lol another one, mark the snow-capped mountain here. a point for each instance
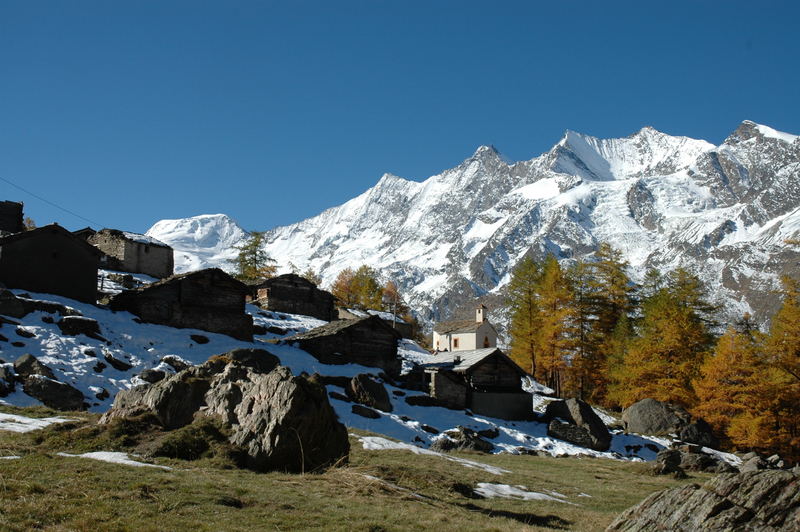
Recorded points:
(725, 212)
(200, 241)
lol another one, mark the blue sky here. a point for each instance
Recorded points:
(126, 113)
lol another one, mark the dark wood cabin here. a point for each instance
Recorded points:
(368, 341)
(395, 322)
(209, 299)
(11, 220)
(485, 381)
(50, 260)
(293, 294)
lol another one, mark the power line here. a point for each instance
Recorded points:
(51, 203)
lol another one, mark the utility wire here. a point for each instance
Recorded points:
(51, 203)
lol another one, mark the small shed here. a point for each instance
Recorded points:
(485, 381)
(11, 217)
(209, 299)
(366, 341)
(294, 294)
(132, 252)
(50, 260)
(395, 322)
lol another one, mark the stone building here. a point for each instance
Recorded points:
(462, 335)
(395, 322)
(133, 253)
(209, 299)
(51, 260)
(294, 294)
(484, 381)
(366, 341)
(11, 217)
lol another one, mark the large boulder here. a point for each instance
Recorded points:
(583, 426)
(656, 418)
(28, 364)
(754, 501)
(279, 421)
(54, 394)
(75, 325)
(12, 306)
(363, 389)
(7, 380)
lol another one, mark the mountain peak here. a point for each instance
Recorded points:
(749, 129)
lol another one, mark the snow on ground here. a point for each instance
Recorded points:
(14, 423)
(114, 458)
(504, 491)
(109, 286)
(374, 443)
(77, 360)
(10, 457)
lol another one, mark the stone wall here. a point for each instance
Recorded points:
(517, 406)
(449, 388)
(127, 255)
(293, 294)
(11, 216)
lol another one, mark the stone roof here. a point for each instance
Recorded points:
(461, 361)
(135, 237)
(457, 326)
(335, 327)
(197, 273)
(53, 228)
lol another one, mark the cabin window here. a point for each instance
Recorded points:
(455, 343)
(485, 341)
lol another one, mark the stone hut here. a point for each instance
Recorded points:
(51, 260)
(465, 335)
(395, 322)
(294, 294)
(133, 253)
(367, 341)
(11, 217)
(209, 299)
(485, 381)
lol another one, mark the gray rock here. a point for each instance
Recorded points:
(7, 385)
(655, 418)
(363, 411)
(75, 325)
(28, 364)
(279, 421)
(593, 433)
(12, 306)
(462, 439)
(754, 464)
(755, 501)
(54, 394)
(175, 363)
(362, 389)
(116, 363)
(152, 375)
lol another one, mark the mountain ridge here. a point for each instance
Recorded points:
(664, 201)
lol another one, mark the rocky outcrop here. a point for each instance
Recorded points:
(75, 325)
(7, 384)
(756, 501)
(279, 421)
(28, 364)
(655, 418)
(579, 424)
(363, 389)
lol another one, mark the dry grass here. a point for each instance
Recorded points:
(378, 490)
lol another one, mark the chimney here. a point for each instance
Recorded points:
(481, 314)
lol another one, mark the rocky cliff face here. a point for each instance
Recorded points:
(724, 212)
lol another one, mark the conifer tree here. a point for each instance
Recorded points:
(252, 262)
(358, 289)
(557, 333)
(523, 303)
(343, 289)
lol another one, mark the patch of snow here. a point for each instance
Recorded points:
(505, 491)
(374, 443)
(775, 134)
(144, 239)
(12, 457)
(14, 423)
(542, 189)
(114, 458)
